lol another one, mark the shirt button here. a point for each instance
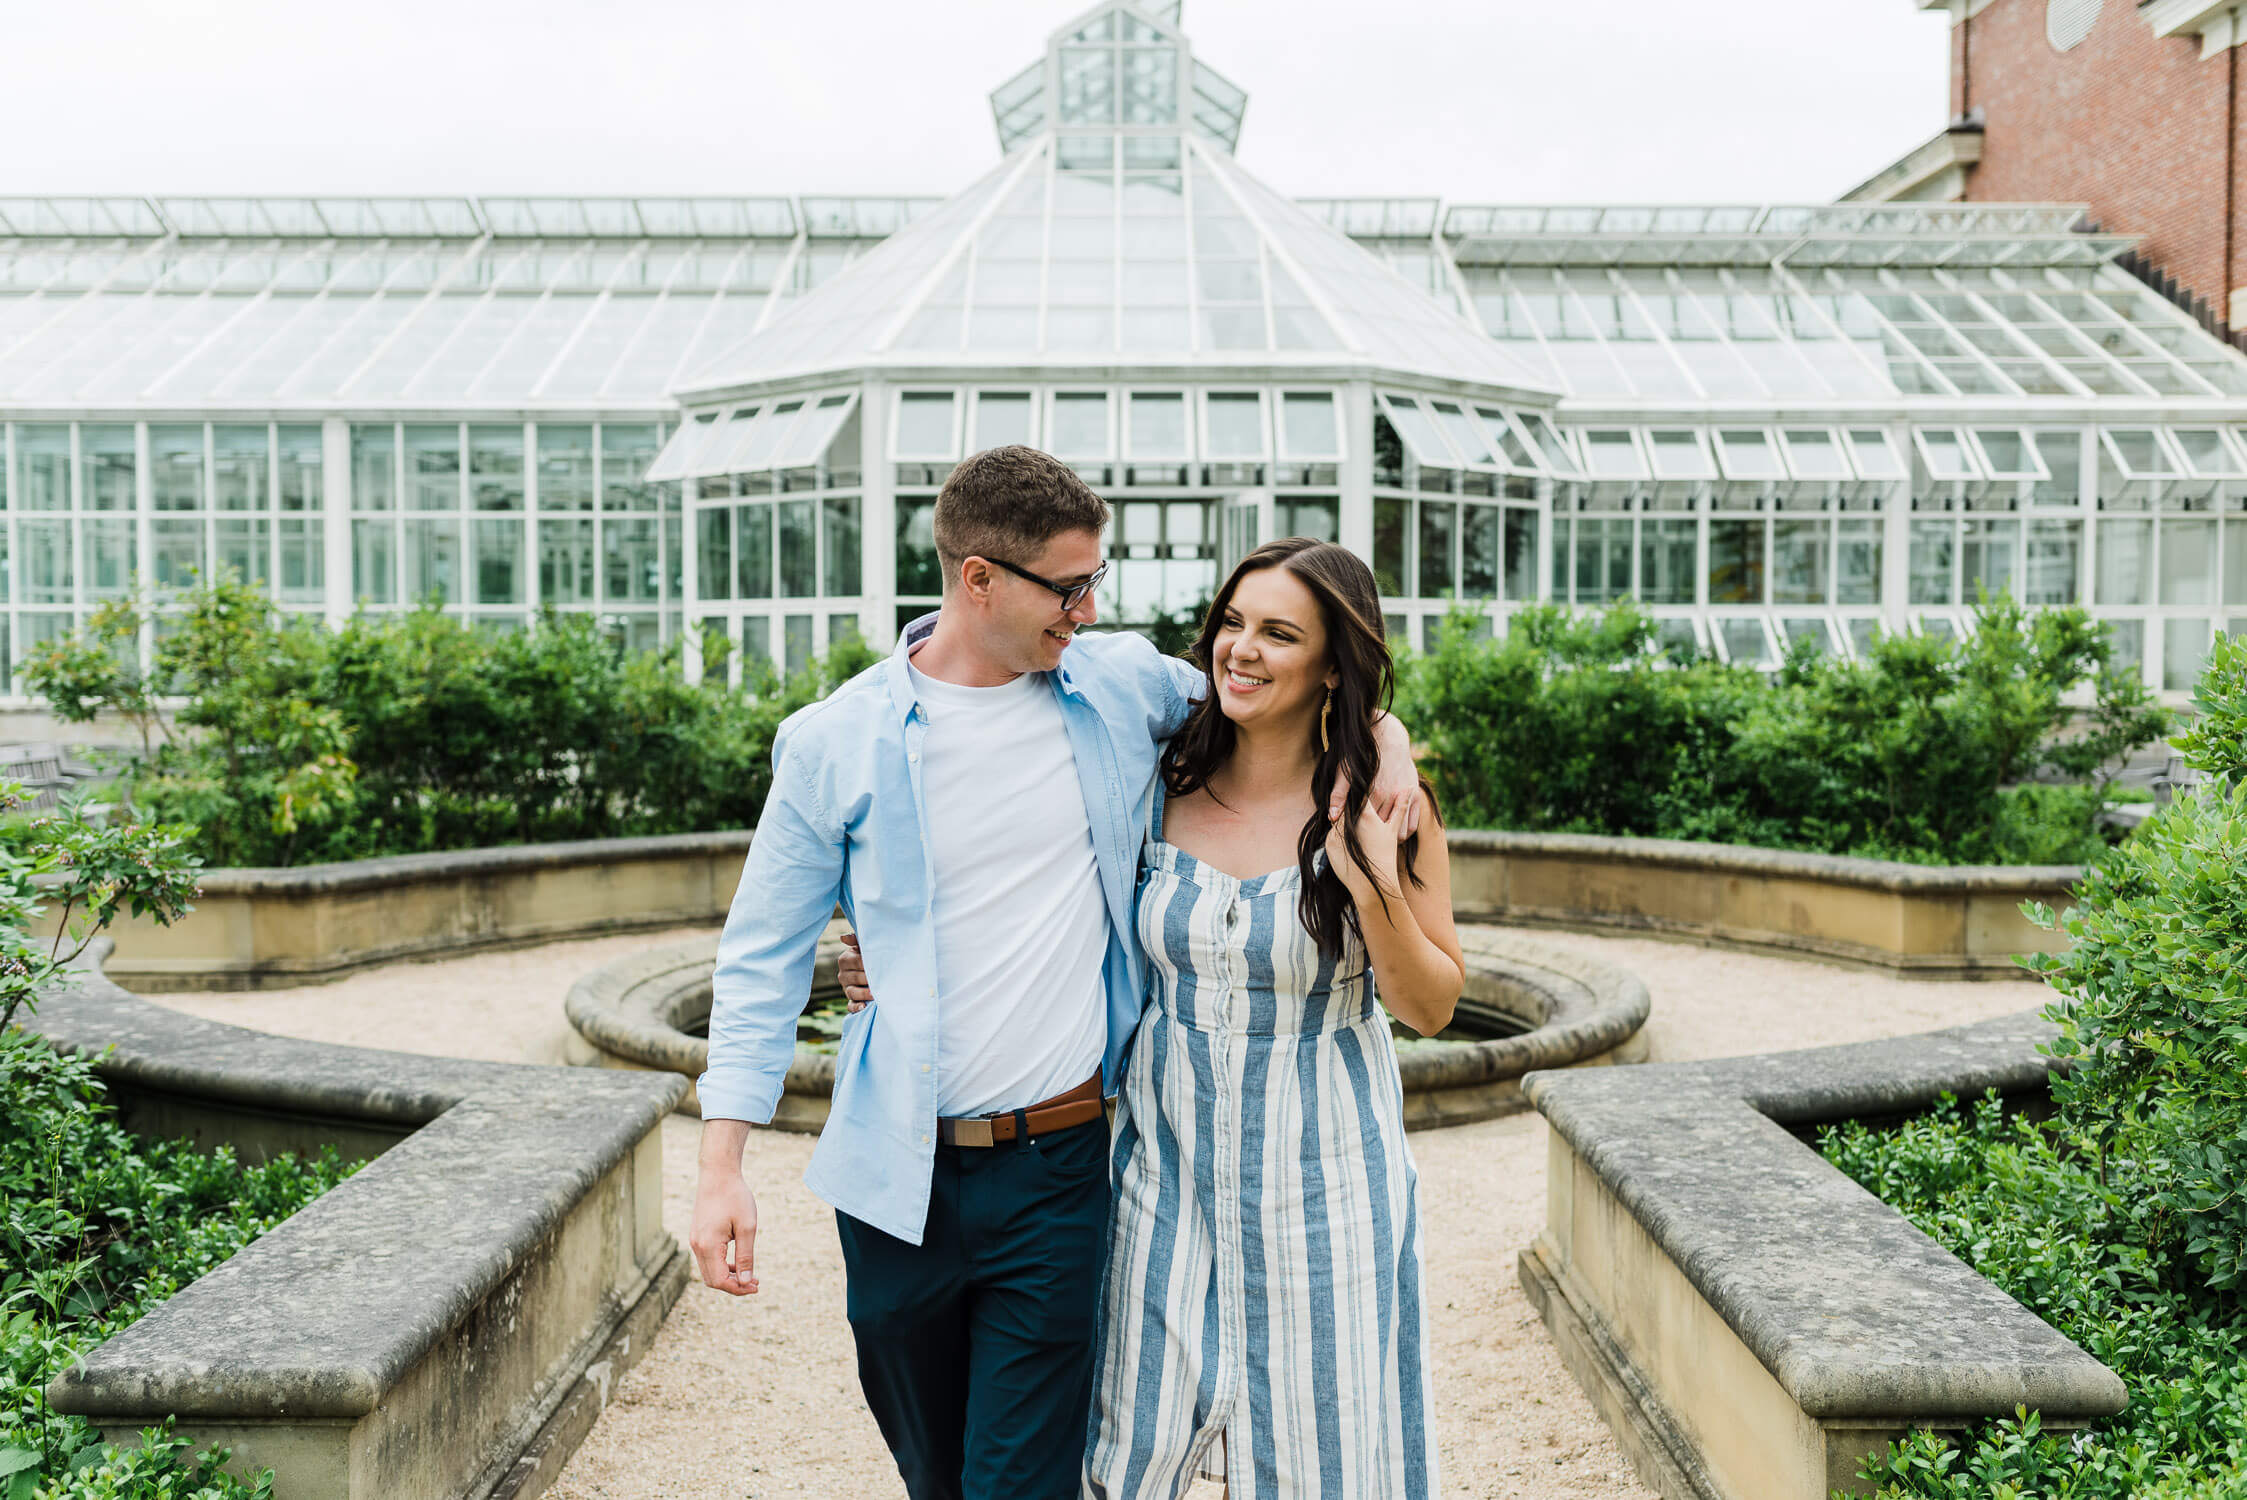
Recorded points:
(924, 1140)
(924, 1067)
(914, 756)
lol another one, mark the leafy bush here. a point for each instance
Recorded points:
(1926, 751)
(99, 1228)
(2023, 1206)
(2154, 1014)
(405, 733)
(2122, 1222)
(96, 1228)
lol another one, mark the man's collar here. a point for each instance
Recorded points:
(902, 696)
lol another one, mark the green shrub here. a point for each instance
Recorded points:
(1925, 752)
(2154, 1007)
(2124, 1222)
(407, 733)
(99, 1228)
(2024, 1207)
(96, 1227)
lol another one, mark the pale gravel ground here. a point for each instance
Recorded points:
(756, 1398)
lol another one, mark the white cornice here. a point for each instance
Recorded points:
(2218, 23)
(1960, 10)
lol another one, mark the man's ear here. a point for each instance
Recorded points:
(976, 578)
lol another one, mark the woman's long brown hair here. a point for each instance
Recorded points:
(1358, 650)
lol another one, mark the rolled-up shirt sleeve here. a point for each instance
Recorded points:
(789, 886)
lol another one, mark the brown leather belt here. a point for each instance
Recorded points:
(1080, 1106)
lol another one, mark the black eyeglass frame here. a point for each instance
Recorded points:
(1072, 594)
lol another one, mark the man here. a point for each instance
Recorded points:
(974, 803)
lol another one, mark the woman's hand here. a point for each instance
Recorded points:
(1378, 836)
(851, 970)
(1396, 780)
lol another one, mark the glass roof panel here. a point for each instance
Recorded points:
(686, 440)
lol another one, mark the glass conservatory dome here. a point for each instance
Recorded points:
(1118, 230)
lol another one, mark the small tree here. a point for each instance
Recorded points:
(95, 870)
(265, 762)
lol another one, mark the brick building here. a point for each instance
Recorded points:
(2134, 107)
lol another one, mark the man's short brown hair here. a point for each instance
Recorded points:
(1007, 503)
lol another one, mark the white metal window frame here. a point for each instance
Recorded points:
(1188, 435)
(955, 395)
(1112, 416)
(1205, 428)
(1926, 443)
(2231, 448)
(1834, 445)
(1286, 452)
(1976, 435)
(1585, 446)
(1028, 395)
(1735, 465)
(1705, 461)
(2164, 448)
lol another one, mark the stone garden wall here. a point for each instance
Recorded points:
(445, 1323)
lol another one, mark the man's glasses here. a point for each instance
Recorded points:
(1071, 593)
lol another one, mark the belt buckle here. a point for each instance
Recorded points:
(973, 1133)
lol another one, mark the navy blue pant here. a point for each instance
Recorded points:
(975, 1346)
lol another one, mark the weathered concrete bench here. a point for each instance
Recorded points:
(646, 1010)
(447, 1322)
(1750, 1322)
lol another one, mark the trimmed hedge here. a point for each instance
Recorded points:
(1934, 751)
(2123, 1222)
(400, 734)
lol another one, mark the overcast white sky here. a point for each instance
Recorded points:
(1657, 101)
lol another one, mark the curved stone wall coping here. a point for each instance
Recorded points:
(406, 869)
(1592, 1007)
(1854, 1311)
(1743, 859)
(324, 1315)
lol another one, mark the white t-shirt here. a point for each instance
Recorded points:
(1021, 926)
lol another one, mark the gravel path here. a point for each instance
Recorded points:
(756, 1398)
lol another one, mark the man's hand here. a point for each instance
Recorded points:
(851, 970)
(725, 1212)
(1395, 784)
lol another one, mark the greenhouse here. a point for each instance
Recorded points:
(1769, 425)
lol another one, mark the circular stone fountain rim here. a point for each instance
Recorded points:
(629, 1009)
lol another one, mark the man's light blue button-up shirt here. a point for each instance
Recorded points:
(845, 822)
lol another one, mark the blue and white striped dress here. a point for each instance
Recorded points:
(1263, 1285)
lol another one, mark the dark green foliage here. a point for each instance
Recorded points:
(2154, 1015)
(100, 1227)
(408, 733)
(2122, 1223)
(1579, 724)
(92, 871)
(2025, 1207)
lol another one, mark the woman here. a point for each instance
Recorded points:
(1263, 1315)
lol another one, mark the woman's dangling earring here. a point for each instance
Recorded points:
(1325, 713)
